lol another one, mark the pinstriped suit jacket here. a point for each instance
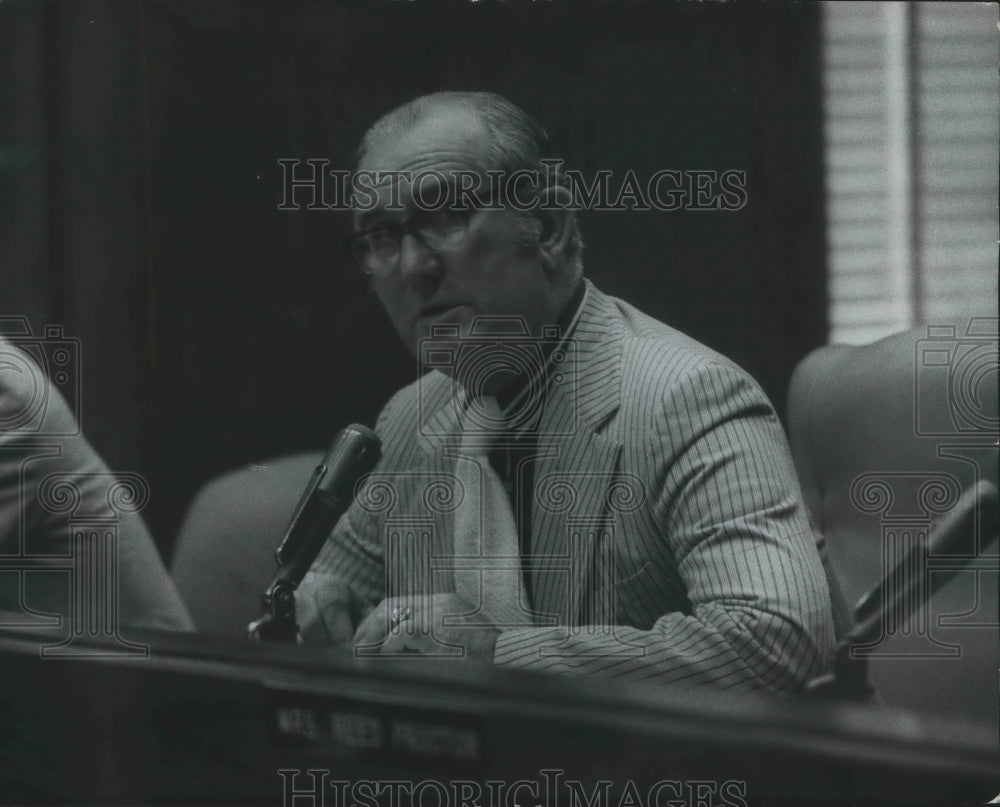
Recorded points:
(669, 537)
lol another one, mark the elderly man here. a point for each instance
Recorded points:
(575, 487)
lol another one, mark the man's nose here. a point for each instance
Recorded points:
(416, 259)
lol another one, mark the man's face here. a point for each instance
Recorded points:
(494, 271)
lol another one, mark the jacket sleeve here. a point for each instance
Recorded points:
(724, 497)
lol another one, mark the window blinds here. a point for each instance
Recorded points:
(912, 148)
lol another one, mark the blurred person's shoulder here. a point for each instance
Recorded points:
(29, 401)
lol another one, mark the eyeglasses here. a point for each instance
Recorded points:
(377, 250)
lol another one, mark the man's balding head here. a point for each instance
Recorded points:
(448, 262)
(515, 142)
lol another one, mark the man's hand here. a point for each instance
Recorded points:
(419, 624)
(327, 610)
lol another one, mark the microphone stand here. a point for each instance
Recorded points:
(354, 453)
(848, 676)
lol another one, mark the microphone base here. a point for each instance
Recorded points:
(269, 629)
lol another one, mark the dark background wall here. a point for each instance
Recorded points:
(139, 192)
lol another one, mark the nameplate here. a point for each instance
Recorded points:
(377, 732)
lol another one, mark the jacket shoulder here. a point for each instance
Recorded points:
(398, 422)
(665, 356)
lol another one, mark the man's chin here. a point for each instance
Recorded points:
(437, 344)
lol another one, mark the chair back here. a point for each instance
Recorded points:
(224, 555)
(885, 438)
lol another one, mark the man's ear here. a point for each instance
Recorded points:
(555, 214)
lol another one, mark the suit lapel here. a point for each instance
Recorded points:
(576, 464)
(420, 484)
(572, 478)
(438, 417)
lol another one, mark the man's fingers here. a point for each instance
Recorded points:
(372, 629)
(336, 619)
(327, 609)
(361, 609)
(394, 619)
(399, 643)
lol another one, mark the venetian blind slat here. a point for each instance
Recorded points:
(913, 87)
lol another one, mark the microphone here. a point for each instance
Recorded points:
(902, 585)
(354, 452)
(901, 589)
